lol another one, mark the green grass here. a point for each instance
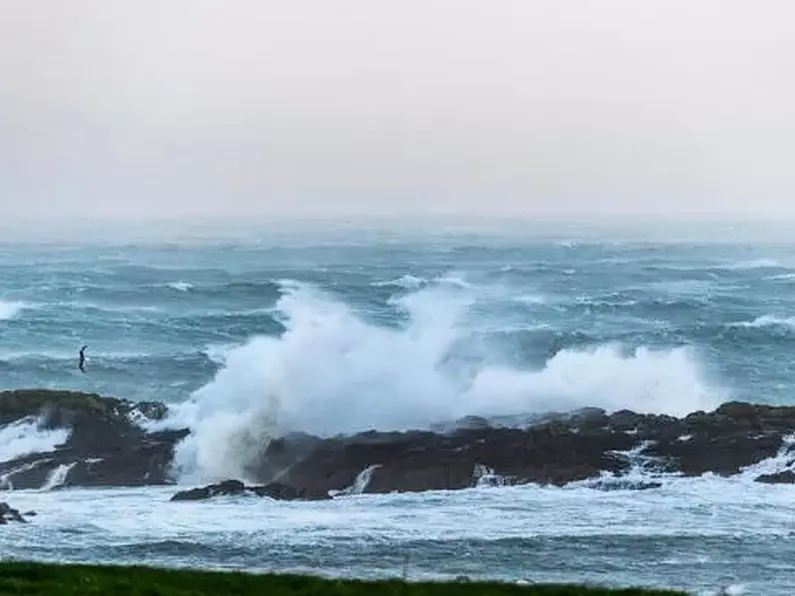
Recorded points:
(34, 579)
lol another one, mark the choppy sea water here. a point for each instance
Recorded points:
(394, 332)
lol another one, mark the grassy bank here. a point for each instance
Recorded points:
(34, 579)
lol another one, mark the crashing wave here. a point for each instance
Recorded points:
(331, 372)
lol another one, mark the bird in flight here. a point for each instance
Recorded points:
(82, 359)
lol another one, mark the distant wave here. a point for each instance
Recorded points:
(766, 321)
(619, 301)
(710, 267)
(455, 279)
(263, 289)
(116, 362)
(10, 356)
(688, 287)
(782, 276)
(89, 305)
(333, 372)
(118, 308)
(413, 282)
(406, 281)
(180, 286)
(10, 309)
(22, 355)
(530, 299)
(155, 296)
(195, 312)
(752, 264)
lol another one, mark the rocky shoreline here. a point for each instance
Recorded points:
(105, 446)
(9, 514)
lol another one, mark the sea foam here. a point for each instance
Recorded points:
(10, 309)
(26, 436)
(332, 372)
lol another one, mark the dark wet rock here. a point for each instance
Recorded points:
(556, 449)
(589, 418)
(626, 420)
(722, 454)
(725, 441)
(280, 455)
(417, 461)
(105, 445)
(785, 477)
(9, 514)
(65, 408)
(147, 410)
(228, 488)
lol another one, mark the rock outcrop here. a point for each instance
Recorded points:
(785, 477)
(228, 488)
(106, 446)
(9, 514)
(555, 450)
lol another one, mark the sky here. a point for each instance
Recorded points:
(243, 108)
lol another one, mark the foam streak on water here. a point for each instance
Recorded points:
(677, 536)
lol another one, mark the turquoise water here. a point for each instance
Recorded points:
(158, 317)
(354, 333)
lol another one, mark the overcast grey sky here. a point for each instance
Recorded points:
(131, 108)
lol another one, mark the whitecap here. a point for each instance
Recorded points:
(766, 321)
(10, 309)
(180, 286)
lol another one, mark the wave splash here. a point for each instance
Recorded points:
(26, 436)
(10, 309)
(332, 372)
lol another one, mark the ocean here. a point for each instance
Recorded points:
(344, 332)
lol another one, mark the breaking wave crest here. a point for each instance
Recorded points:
(406, 281)
(767, 321)
(332, 372)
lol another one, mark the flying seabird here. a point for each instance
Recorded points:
(82, 358)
